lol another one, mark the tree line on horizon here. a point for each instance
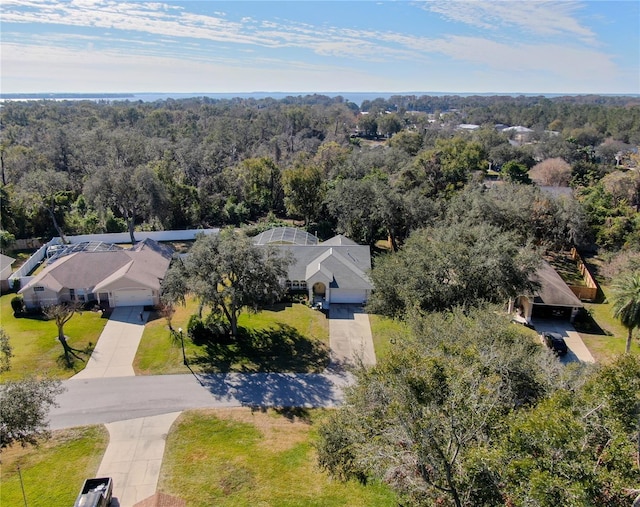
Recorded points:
(86, 167)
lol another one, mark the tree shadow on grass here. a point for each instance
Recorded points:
(585, 323)
(73, 360)
(279, 349)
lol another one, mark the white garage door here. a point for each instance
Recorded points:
(133, 297)
(348, 296)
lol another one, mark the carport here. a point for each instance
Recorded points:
(552, 300)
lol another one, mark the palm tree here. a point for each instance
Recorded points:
(626, 303)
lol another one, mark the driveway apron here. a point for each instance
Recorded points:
(117, 345)
(350, 336)
(134, 456)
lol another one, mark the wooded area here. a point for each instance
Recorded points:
(85, 167)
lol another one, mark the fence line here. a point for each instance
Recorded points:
(590, 292)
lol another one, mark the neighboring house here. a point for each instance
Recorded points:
(333, 271)
(107, 274)
(5, 271)
(521, 135)
(553, 299)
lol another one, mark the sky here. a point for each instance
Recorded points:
(514, 46)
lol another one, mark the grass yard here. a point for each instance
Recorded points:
(53, 472)
(304, 344)
(385, 331)
(35, 342)
(605, 346)
(236, 457)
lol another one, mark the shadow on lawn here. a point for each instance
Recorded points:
(279, 349)
(585, 323)
(71, 363)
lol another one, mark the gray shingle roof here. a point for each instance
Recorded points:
(145, 263)
(5, 261)
(553, 289)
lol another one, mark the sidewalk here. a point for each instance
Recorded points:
(117, 345)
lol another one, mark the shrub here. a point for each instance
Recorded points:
(196, 330)
(17, 305)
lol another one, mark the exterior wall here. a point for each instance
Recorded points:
(36, 299)
(522, 307)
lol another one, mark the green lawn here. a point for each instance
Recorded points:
(35, 342)
(54, 472)
(236, 457)
(160, 352)
(605, 346)
(385, 331)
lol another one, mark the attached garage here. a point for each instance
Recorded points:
(132, 297)
(351, 296)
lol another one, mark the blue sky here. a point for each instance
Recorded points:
(514, 46)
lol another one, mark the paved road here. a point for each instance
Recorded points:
(106, 400)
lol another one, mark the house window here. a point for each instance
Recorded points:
(77, 295)
(38, 289)
(288, 284)
(303, 285)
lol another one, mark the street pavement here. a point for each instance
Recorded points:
(106, 400)
(117, 345)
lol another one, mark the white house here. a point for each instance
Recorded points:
(5, 270)
(333, 271)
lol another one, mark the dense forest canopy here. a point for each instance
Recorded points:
(378, 171)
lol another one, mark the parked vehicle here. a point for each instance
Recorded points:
(95, 493)
(555, 342)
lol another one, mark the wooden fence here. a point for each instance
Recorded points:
(590, 292)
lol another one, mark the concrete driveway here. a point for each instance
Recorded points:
(578, 351)
(134, 457)
(350, 336)
(117, 345)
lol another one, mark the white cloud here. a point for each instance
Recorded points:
(546, 18)
(100, 71)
